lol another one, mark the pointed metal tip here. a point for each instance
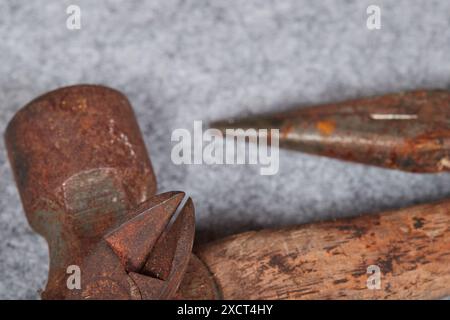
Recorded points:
(168, 196)
(156, 200)
(402, 130)
(133, 240)
(188, 209)
(172, 252)
(172, 197)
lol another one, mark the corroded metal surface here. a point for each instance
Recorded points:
(87, 186)
(114, 268)
(408, 131)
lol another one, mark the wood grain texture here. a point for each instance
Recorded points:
(329, 260)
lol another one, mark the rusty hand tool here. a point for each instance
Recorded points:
(88, 187)
(409, 131)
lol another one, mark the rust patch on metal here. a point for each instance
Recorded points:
(326, 127)
(408, 131)
(87, 186)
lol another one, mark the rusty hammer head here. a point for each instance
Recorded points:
(87, 186)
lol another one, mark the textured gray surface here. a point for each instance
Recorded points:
(180, 61)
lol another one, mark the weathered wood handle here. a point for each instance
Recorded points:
(330, 260)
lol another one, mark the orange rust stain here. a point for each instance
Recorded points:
(326, 127)
(82, 104)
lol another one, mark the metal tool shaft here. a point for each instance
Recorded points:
(408, 131)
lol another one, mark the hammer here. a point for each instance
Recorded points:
(87, 186)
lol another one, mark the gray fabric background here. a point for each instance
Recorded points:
(180, 61)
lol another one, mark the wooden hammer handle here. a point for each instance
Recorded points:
(331, 260)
